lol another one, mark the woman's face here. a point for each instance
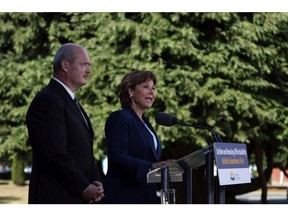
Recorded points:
(143, 95)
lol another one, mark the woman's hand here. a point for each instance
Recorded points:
(162, 163)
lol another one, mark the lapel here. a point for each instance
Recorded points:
(156, 152)
(146, 133)
(88, 125)
(70, 102)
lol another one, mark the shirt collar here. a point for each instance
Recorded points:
(67, 89)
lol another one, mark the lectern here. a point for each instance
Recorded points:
(181, 170)
(231, 160)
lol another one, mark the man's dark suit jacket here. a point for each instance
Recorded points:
(131, 153)
(63, 162)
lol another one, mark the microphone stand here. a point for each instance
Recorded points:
(215, 135)
(209, 170)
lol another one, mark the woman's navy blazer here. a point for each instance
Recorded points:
(131, 152)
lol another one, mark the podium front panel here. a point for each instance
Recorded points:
(176, 169)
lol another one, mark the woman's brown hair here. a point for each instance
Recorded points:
(131, 80)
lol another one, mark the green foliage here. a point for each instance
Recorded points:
(226, 70)
(17, 174)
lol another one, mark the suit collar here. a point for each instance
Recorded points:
(144, 130)
(70, 102)
(65, 87)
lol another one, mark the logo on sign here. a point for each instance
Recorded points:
(232, 177)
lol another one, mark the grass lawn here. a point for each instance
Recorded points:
(13, 194)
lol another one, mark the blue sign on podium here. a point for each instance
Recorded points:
(232, 163)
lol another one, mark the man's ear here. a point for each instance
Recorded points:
(65, 65)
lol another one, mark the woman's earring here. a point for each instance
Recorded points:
(131, 95)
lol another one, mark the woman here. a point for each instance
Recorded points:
(132, 144)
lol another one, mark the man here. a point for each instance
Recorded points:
(61, 136)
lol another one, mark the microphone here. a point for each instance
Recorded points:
(165, 119)
(168, 120)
